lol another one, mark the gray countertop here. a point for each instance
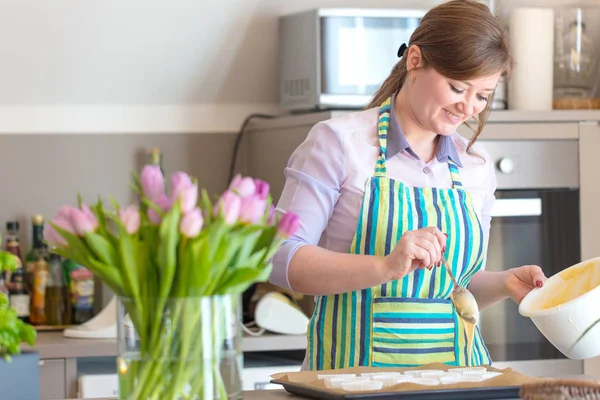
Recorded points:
(55, 345)
(251, 395)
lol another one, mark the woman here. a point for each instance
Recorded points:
(383, 193)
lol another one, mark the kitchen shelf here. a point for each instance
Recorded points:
(55, 345)
(496, 116)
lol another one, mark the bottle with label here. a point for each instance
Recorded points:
(58, 305)
(18, 295)
(38, 292)
(12, 246)
(81, 290)
(37, 244)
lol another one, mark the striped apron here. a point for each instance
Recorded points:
(411, 321)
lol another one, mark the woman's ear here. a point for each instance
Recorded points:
(414, 59)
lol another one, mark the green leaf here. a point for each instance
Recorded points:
(240, 279)
(266, 238)
(79, 200)
(109, 274)
(129, 267)
(28, 334)
(78, 249)
(248, 241)
(115, 204)
(167, 249)
(206, 205)
(102, 248)
(8, 261)
(200, 267)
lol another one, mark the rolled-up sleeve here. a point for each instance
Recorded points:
(488, 202)
(313, 178)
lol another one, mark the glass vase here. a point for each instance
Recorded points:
(180, 348)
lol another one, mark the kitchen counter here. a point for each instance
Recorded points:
(55, 345)
(251, 395)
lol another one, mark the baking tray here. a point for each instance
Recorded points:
(481, 393)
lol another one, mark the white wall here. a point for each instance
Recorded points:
(147, 65)
(142, 65)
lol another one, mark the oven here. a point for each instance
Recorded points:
(535, 220)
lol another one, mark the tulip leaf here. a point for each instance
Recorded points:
(77, 249)
(206, 205)
(115, 204)
(240, 279)
(199, 267)
(102, 248)
(167, 249)
(127, 256)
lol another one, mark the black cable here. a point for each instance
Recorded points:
(238, 140)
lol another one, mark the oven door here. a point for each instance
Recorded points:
(535, 220)
(538, 227)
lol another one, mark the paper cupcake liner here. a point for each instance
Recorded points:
(331, 376)
(361, 385)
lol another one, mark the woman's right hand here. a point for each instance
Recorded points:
(421, 248)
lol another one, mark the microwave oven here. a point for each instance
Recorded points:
(337, 58)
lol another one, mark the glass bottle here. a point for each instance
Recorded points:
(18, 295)
(38, 292)
(58, 305)
(81, 291)
(13, 246)
(37, 244)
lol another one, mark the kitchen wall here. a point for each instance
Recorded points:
(87, 87)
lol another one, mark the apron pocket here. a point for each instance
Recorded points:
(411, 331)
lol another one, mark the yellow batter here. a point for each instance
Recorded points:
(578, 281)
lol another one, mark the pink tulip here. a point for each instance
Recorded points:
(262, 189)
(289, 224)
(63, 219)
(163, 202)
(184, 190)
(83, 220)
(271, 217)
(191, 223)
(53, 236)
(243, 187)
(153, 182)
(252, 209)
(130, 216)
(229, 206)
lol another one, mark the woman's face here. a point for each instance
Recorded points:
(440, 105)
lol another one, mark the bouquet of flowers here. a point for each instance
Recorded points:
(164, 251)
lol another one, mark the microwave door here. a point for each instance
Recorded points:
(358, 53)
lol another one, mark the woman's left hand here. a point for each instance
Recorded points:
(520, 281)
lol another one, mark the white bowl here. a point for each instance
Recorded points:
(563, 324)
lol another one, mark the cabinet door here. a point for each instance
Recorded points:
(52, 379)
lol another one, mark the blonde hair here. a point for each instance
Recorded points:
(461, 40)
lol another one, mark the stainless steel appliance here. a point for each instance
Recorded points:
(327, 55)
(535, 221)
